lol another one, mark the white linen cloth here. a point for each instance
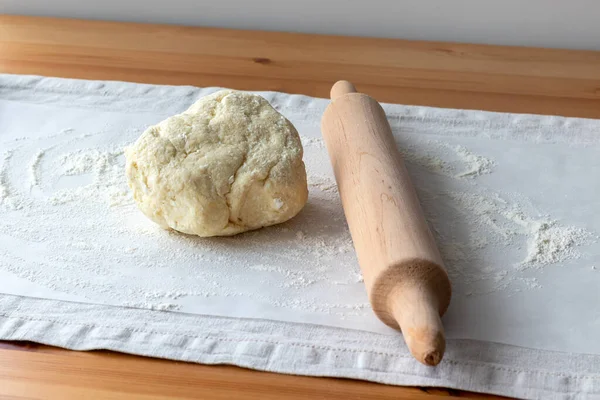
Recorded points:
(81, 268)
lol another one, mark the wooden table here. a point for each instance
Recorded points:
(426, 73)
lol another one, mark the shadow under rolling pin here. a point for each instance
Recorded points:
(407, 284)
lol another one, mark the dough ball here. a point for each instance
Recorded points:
(228, 164)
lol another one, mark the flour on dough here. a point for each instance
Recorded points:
(228, 164)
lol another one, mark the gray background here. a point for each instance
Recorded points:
(571, 24)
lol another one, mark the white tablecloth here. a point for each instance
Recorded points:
(512, 200)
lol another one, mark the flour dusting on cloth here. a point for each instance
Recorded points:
(497, 190)
(508, 197)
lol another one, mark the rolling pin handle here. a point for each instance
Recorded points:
(341, 88)
(414, 311)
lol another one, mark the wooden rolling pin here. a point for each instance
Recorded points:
(407, 284)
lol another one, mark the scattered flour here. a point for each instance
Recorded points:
(293, 279)
(503, 225)
(103, 245)
(312, 142)
(4, 185)
(88, 160)
(8, 197)
(551, 243)
(278, 203)
(475, 223)
(323, 183)
(153, 306)
(34, 177)
(548, 242)
(92, 242)
(431, 162)
(469, 164)
(475, 164)
(107, 170)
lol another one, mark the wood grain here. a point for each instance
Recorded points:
(455, 75)
(57, 374)
(426, 73)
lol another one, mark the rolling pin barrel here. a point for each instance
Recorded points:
(407, 284)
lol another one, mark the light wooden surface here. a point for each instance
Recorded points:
(437, 74)
(402, 267)
(36, 372)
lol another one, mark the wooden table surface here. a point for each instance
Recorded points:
(426, 73)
